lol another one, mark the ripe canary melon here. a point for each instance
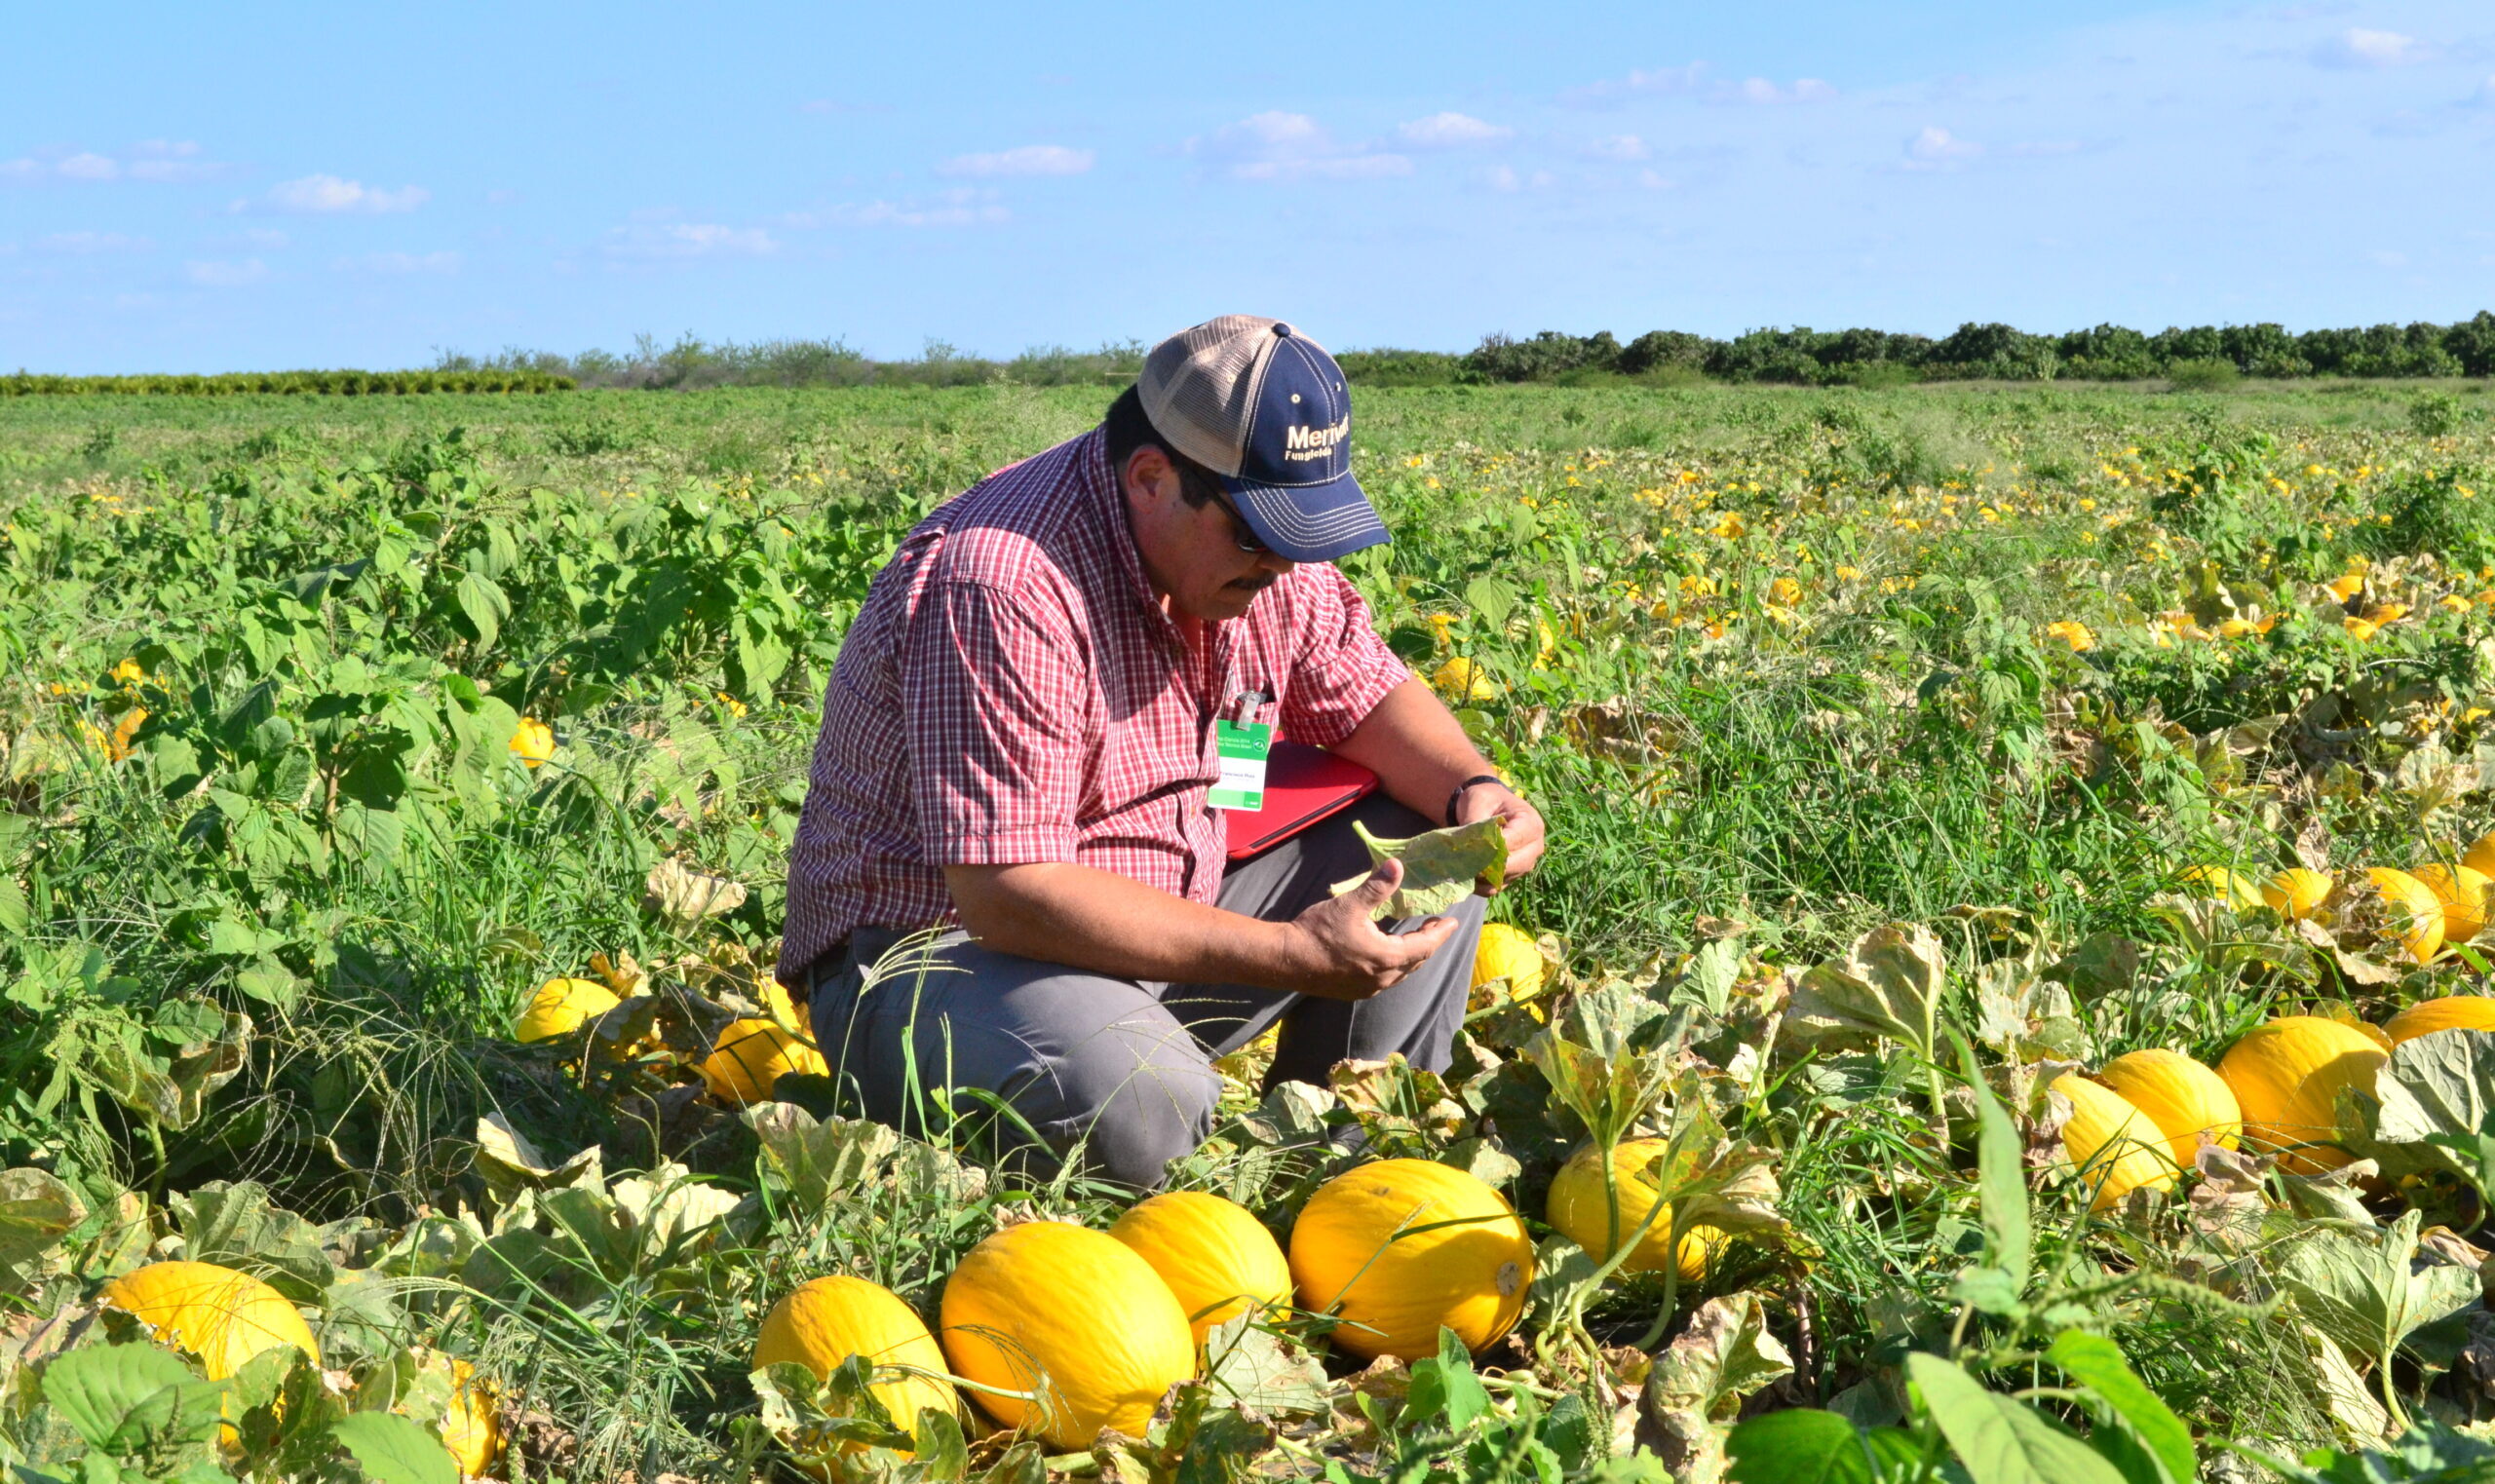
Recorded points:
(1072, 1316)
(2287, 1075)
(1461, 679)
(824, 1322)
(1579, 1207)
(1508, 953)
(2481, 855)
(222, 1316)
(471, 1424)
(2296, 893)
(2116, 1148)
(749, 1056)
(2462, 889)
(532, 742)
(1216, 1257)
(2449, 1012)
(560, 1006)
(2219, 884)
(1402, 1247)
(2416, 912)
(2183, 1098)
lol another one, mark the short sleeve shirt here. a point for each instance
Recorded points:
(1012, 691)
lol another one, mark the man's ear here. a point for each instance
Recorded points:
(1149, 473)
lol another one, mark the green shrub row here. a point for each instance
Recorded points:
(291, 382)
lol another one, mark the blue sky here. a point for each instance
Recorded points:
(257, 186)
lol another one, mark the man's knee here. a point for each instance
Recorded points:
(1134, 1102)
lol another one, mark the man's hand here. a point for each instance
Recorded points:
(1520, 820)
(1342, 954)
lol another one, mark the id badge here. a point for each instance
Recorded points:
(1242, 749)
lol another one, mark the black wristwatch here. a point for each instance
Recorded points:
(1478, 779)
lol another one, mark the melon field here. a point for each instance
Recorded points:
(2002, 1002)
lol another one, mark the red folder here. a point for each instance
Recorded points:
(1303, 784)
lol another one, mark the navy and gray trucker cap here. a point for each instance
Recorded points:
(1264, 408)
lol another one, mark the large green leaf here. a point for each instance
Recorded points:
(392, 1450)
(2098, 1364)
(1440, 868)
(1799, 1445)
(2001, 1439)
(2368, 1294)
(126, 1398)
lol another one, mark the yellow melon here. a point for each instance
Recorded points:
(1511, 954)
(560, 1006)
(1402, 1247)
(2219, 884)
(824, 1322)
(2296, 893)
(2462, 889)
(1578, 1207)
(2450, 1012)
(2183, 1098)
(532, 742)
(1075, 1317)
(2416, 912)
(2481, 855)
(749, 1056)
(2287, 1075)
(1461, 679)
(1216, 1257)
(222, 1316)
(2115, 1147)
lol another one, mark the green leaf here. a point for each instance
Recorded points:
(393, 1450)
(1440, 868)
(1445, 1387)
(1256, 1369)
(1799, 1445)
(126, 1399)
(2001, 1183)
(2363, 1294)
(2001, 1439)
(2435, 1096)
(2098, 1364)
(485, 607)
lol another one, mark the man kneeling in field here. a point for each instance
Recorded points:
(1019, 744)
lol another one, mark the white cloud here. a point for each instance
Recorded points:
(20, 171)
(266, 239)
(960, 206)
(83, 166)
(1025, 160)
(1639, 82)
(2387, 258)
(2358, 47)
(329, 194)
(1936, 145)
(400, 262)
(90, 243)
(1759, 90)
(1451, 130)
(1653, 181)
(1291, 147)
(684, 239)
(1502, 177)
(225, 274)
(1623, 147)
(158, 160)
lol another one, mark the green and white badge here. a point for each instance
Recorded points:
(1242, 749)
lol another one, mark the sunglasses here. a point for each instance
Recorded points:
(1242, 534)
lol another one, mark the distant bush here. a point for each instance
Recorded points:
(2202, 375)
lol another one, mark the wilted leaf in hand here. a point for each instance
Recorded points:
(1440, 868)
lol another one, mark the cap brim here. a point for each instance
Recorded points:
(1309, 522)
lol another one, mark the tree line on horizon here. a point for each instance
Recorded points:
(2196, 357)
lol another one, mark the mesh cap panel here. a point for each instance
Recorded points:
(1199, 387)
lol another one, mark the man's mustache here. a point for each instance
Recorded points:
(1257, 584)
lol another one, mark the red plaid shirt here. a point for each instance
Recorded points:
(1013, 691)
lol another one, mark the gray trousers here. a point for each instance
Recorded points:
(1116, 1074)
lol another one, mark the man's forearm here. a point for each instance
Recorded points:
(1108, 924)
(1416, 747)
